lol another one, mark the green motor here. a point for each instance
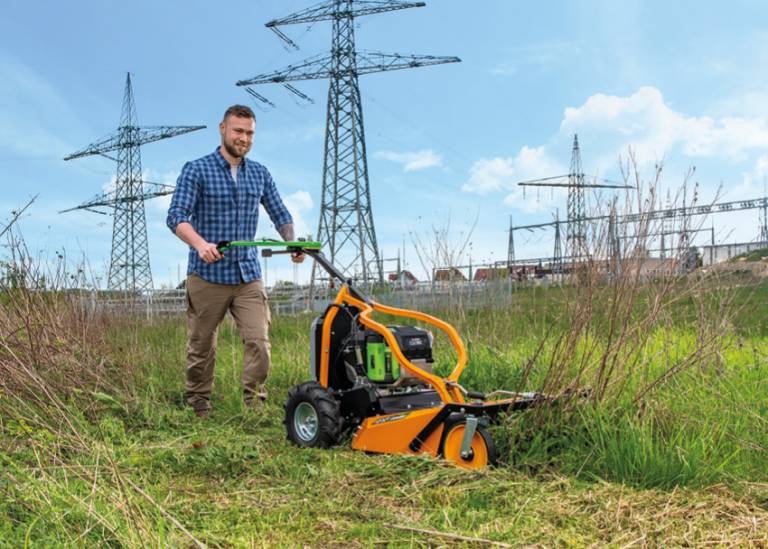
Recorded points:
(381, 368)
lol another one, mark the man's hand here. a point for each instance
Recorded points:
(206, 250)
(209, 253)
(289, 235)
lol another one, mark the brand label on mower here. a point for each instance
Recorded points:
(390, 418)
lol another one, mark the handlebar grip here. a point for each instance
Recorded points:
(266, 252)
(476, 394)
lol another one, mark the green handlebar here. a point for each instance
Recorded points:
(226, 245)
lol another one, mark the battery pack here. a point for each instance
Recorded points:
(380, 366)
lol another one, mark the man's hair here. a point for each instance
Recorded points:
(241, 111)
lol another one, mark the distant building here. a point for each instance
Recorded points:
(403, 279)
(484, 274)
(449, 274)
(652, 267)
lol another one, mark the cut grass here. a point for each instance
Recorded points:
(233, 480)
(686, 465)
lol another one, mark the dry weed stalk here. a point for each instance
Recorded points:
(56, 366)
(616, 303)
(437, 249)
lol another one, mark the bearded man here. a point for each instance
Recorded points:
(217, 198)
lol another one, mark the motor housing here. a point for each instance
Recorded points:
(369, 355)
(358, 352)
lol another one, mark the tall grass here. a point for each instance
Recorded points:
(645, 352)
(94, 434)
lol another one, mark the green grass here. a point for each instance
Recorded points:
(686, 464)
(754, 255)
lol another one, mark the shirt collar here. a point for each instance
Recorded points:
(223, 161)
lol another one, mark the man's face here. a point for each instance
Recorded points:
(237, 135)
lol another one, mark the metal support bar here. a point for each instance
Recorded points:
(470, 426)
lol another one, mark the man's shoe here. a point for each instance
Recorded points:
(255, 404)
(202, 410)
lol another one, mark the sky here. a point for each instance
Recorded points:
(681, 83)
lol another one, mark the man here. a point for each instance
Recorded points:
(217, 198)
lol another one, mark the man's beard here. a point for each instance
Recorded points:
(230, 148)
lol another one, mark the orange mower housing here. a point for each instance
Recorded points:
(375, 382)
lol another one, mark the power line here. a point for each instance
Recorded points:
(654, 215)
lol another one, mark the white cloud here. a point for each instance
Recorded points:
(653, 129)
(502, 174)
(490, 174)
(611, 124)
(413, 161)
(299, 204)
(494, 174)
(161, 203)
(753, 183)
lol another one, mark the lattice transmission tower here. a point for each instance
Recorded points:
(762, 234)
(129, 268)
(557, 249)
(511, 244)
(346, 226)
(575, 180)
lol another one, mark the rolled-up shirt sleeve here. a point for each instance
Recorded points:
(273, 203)
(185, 197)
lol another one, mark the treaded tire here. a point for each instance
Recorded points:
(312, 416)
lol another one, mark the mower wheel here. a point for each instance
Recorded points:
(482, 452)
(312, 416)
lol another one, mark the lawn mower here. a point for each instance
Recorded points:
(376, 381)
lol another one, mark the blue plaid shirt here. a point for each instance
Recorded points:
(219, 209)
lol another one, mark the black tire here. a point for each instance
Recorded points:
(312, 416)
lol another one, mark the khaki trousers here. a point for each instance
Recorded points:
(207, 303)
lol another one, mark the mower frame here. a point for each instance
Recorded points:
(424, 425)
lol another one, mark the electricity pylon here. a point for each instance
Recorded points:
(576, 233)
(346, 222)
(511, 244)
(129, 269)
(557, 250)
(667, 229)
(762, 235)
(614, 242)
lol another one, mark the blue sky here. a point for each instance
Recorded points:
(683, 82)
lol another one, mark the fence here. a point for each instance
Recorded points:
(723, 252)
(468, 295)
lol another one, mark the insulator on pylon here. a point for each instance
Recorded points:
(288, 44)
(260, 97)
(299, 93)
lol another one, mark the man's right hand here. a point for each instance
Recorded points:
(209, 253)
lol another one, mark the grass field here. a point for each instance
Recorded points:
(96, 447)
